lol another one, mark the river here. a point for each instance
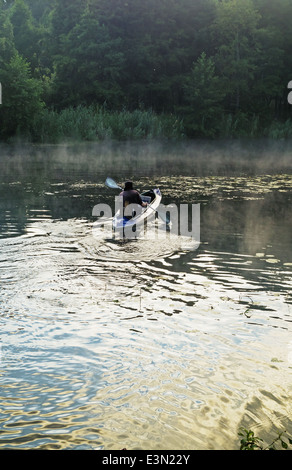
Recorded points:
(108, 344)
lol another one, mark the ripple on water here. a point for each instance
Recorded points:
(97, 334)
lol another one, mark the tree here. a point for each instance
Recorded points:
(90, 66)
(212, 61)
(159, 40)
(204, 97)
(234, 33)
(276, 58)
(66, 15)
(267, 85)
(26, 34)
(7, 46)
(21, 97)
(40, 9)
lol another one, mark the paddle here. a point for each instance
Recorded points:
(110, 183)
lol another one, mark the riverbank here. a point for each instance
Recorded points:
(98, 124)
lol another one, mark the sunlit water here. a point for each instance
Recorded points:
(143, 345)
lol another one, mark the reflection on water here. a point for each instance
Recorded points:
(143, 345)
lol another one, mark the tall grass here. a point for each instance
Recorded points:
(95, 124)
(279, 130)
(239, 125)
(243, 125)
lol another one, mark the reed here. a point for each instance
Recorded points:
(243, 125)
(279, 130)
(94, 124)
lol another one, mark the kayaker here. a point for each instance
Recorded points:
(131, 196)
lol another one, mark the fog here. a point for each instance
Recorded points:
(150, 158)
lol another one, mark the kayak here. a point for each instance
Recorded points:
(153, 198)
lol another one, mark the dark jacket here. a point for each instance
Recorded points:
(131, 196)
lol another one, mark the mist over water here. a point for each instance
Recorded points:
(109, 344)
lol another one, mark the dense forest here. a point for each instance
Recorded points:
(97, 69)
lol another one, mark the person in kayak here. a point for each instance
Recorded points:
(131, 196)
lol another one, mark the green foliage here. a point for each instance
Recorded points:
(204, 98)
(279, 130)
(7, 47)
(24, 31)
(93, 124)
(92, 67)
(89, 67)
(21, 101)
(251, 442)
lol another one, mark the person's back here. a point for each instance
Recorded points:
(131, 196)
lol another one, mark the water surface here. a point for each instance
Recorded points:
(143, 345)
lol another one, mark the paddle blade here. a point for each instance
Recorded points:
(110, 183)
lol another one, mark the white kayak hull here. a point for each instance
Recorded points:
(149, 212)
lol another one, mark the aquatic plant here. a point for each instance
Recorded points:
(251, 442)
(93, 123)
